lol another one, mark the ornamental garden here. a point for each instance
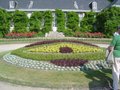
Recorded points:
(59, 54)
(73, 55)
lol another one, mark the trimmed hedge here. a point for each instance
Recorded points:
(22, 52)
(20, 21)
(61, 40)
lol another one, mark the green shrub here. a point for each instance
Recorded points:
(20, 21)
(4, 22)
(87, 23)
(68, 32)
(35, 21)
(47, 22)
(108, 20)
(40, 34)
(72, 21)
(60, 20)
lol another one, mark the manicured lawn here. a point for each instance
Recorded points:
(31, 40)
(53, 79)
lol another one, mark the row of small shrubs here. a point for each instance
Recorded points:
(61, 40)
(69, 63)
(20, 35)
(89, 35)
(56, 56)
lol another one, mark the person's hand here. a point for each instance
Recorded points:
(110, 48)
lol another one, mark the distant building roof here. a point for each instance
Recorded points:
(65, 5)
(117, 3)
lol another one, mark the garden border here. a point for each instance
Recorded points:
(43, 65)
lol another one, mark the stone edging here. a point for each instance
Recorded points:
(43, 65)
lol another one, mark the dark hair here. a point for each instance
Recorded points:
(118, 27)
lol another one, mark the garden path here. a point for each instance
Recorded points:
(7, 47)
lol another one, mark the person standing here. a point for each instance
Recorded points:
(115, 45)
(117, 32)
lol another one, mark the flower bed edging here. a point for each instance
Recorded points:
(43, 65)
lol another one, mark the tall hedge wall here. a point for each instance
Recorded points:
(20, 21)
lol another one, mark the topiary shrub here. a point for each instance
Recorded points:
(20, 21)
(4, 22)
(35, 21)
(47, 22)
(72, 21)
(60, 20)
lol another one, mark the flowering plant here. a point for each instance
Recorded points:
(20, 35)
(89, 35)
(69, 62)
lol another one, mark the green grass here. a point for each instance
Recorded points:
(52, 79)
(31, 40)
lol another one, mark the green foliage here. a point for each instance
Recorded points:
(47, 22)
(22, 52)
(68, 32)
(60, 20)
(87, 23)
(72, 21)
(35, 21)
(4, 22)
(20, 21)
(108, 20)
(40, 34)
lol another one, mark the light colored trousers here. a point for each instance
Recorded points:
(116, 73)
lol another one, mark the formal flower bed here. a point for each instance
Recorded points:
(50, 50)
(64, 48)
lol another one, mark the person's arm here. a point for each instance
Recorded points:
(110, 48)
(112, 44)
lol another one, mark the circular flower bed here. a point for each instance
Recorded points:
(66, 53)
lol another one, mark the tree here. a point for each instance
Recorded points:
(35, 21)
(73, 21)
(88, 22)
(20, 21)
(60, 20)
(4, 22)
(108, 20)
(47, 21)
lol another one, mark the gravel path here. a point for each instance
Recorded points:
(8, 47)
(102, 45)
(15, 46)
(8, 86)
